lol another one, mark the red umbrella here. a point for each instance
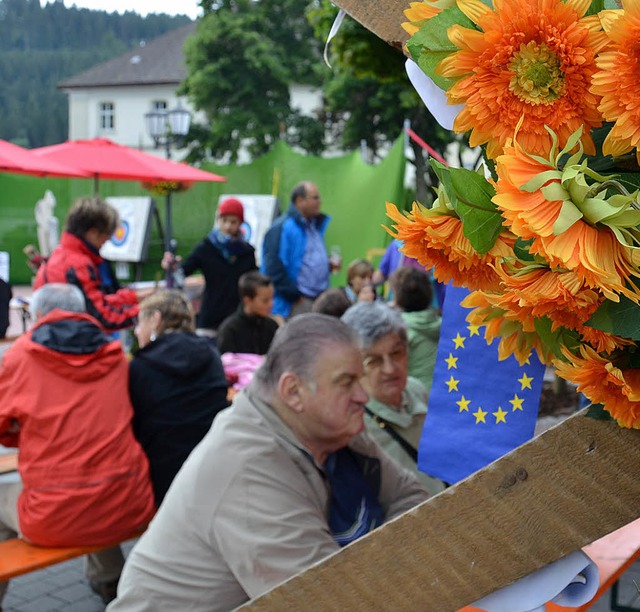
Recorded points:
(23, 161)
(105, 159)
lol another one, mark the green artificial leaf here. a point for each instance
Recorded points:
(428, 61)
(569, 214)
(430, 44)
(619, 318)
(521, 250)
(596, 7)
(554, 340)
(597, 411)
(433, 34)
(470, 194)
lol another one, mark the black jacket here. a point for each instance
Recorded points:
(242, 333)
(177, 386)
(220, 296)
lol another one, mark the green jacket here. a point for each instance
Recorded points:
(423, 331)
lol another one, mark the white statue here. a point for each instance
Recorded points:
(48, 225)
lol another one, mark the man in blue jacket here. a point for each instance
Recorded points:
(294, 255)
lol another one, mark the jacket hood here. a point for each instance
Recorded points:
(180, 354)
(73, 345)
(426, 322)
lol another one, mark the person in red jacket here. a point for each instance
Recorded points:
(64, 402)
(77, 260)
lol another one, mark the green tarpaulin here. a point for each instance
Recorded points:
(353, 194)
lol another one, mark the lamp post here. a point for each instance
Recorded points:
(168, 128)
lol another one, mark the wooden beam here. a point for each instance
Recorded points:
(382, 17)
(573, 484)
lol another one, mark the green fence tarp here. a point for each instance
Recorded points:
(353, 194)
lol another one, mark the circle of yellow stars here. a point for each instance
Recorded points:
(463, 403)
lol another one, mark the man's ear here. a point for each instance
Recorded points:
(290, 391)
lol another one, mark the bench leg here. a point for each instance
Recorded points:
(616, 606)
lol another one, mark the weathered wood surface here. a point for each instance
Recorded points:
(382, 17)
(563, 490)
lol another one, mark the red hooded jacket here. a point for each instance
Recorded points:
(74, 261)
(85, 477)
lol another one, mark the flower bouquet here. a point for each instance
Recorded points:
(547, 234)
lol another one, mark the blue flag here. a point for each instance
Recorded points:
(479, 408)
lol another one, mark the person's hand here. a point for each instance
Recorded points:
(366, 294)
(169, 260)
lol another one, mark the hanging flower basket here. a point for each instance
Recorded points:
(164, 188)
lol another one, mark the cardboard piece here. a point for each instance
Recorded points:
(382, 17)
(573, 484)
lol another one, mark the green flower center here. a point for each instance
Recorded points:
(537, 77)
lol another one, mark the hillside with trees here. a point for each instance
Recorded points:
(43, 45)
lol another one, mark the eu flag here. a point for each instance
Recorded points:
(479, 408)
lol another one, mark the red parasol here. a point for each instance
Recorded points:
(105, 159)
(23, 161)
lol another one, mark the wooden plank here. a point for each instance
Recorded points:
(18, 557)
(382, 17)
(566, 488)
(8, 462)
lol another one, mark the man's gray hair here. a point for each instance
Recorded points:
(374, 320)
(297, 346)
(56, 295)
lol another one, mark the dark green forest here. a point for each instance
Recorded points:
(43, 45)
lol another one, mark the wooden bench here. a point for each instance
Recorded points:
(613, 555)
(18, 557)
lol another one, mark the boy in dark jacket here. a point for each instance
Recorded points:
(250, 329)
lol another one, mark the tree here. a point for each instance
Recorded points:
(369, 96)
(240, 63)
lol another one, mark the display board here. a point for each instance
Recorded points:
(259, 213)
(130, 241)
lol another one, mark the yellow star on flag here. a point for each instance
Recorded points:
(451, 361)
(516, 403)
(500, 415)
(480, 414)
(459, 341)
(463, 403)
(525, 381)
(474, 330)
(452, 383)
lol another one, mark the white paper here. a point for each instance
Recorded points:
(433, 97)
(571, 581)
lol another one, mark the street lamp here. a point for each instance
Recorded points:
(168, 128)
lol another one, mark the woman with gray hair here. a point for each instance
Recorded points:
(397, 403)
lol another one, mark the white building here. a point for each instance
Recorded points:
(111, 99)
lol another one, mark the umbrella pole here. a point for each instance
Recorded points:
(96, 191)
(168, 246)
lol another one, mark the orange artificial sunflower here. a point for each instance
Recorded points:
(617, 79)
(560, 295)
(515, 331)
(617, 389)
(531, 58)
(436, 239)
(595, 254)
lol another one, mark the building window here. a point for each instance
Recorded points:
(107, 116)
(159, 105)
